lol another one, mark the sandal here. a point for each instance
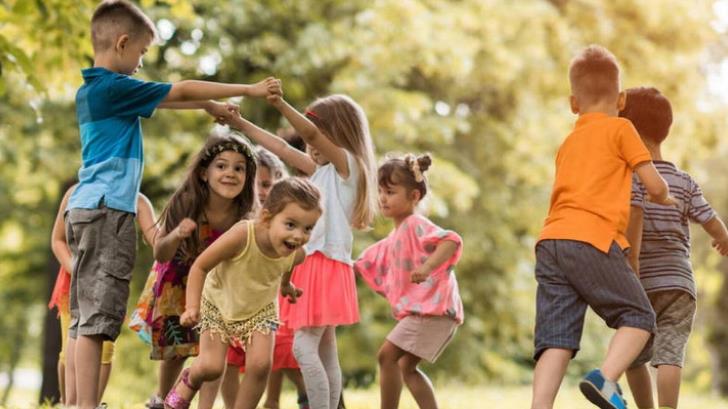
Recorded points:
(154, 402)
(173, 399)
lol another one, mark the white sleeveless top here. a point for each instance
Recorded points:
(332, 234)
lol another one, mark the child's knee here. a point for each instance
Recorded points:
(259, 369)
(208, 371)
(386, 356)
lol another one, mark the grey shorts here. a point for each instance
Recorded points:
(103, 245)
(675, 311)
(572, 275)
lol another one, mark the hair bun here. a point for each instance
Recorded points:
(424, 162)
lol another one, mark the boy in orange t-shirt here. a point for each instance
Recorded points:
(580, 258)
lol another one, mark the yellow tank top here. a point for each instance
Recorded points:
(243, 285)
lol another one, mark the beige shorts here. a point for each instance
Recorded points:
(675, 312)
(423, 336)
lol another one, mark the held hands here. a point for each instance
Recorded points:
(420, 274)
(721, 246)
(222, 112)
(185, 228)
(291, 292)
(190, 317)
(274, 91)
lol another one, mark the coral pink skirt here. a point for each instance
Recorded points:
(329, 294)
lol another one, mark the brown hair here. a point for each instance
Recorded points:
(344, 122)
(271, 162)
(113, 18)
(408, 171)
(292, 190)
(650, 113)
(594, 75)
(190, 198)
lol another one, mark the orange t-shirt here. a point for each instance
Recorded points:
(591, 194)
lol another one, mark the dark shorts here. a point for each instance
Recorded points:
(572, 275)
(675, 311)
(103, 245)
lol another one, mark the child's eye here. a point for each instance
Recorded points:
(308, 229)
(240, 169)
(290, 225)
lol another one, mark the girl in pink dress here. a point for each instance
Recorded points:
(413, 268)
(340, 162)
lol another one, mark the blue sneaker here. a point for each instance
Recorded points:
(601, 392)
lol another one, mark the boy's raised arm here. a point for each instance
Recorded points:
(193, 90)
(657, 189)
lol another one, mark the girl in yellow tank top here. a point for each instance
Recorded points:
(237, 302)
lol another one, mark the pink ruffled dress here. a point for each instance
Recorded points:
(386, 267)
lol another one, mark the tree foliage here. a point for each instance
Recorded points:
(480, 84)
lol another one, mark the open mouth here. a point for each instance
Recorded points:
(290, 245)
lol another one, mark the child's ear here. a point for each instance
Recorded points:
(203, 174)
(621, 101)
(574, 104)
(415, 195)
(265, 216)
(121, 42)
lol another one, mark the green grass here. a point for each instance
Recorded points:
(452, 397)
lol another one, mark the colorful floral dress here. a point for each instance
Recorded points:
(156, 317)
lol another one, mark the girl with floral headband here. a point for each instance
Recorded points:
(413, 268)
(218, 191)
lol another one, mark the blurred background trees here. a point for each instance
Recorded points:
(482, 85)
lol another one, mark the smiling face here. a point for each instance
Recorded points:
(290, 228)
(226, 174)
(396, 201)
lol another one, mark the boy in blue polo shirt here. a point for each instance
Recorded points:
(100, 213)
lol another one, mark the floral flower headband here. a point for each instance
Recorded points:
(216, 149)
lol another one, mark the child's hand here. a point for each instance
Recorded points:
(260, 89)
(275, 91)
(222, 112)
(190, 317)
(185, 228)
(669, 201)
(291, 292)
(722, 246)
(420, 274)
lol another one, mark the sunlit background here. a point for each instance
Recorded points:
(481, 84)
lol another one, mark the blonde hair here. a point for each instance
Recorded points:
(345, 123)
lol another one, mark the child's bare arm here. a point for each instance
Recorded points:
(311, 134)
(59, 246)
(289, 290)
(192, 90)
(443, 252)
(657, 189)
(145, 219)
(166, 244)
(634, 236)
(275, 144)
(717, 230)
(231, 243)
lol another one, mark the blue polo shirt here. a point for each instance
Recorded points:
(108, 107)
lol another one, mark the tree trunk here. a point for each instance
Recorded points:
(17, 347)
(49, 391)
